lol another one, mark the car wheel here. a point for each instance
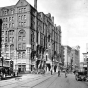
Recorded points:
(0, 78)
(77, 79)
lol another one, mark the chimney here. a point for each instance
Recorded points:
(35, 4)
(53, 19)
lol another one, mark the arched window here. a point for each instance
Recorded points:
(11, 47)
(21, 35)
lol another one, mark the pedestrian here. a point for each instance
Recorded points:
(51, 71)
(65, 73)
(58, 72)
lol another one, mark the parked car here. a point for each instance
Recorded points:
(81, 75)
(5, 72)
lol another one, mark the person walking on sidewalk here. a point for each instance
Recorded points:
(65, 73)
(51, 71)
(58, 72)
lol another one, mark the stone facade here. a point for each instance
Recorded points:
(27, 34)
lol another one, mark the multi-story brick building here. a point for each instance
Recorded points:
(67, 56)
(71, 57)
(76, 58)
(27, 34)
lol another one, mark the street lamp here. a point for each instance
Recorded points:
(87, 63)
(71, 64)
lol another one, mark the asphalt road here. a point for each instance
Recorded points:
(62, 82)
(44, 81)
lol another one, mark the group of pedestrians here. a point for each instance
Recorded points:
(66, 71)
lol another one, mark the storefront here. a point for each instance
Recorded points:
(22, 68)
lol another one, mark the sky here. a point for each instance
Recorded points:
(71, 15)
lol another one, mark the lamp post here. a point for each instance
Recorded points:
(16, 63)
(87, 63)
(46, 59)
(71, 64)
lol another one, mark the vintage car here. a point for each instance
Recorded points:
(81, 75)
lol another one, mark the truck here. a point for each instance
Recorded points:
(6, 70)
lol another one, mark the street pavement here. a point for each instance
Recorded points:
(43, 81)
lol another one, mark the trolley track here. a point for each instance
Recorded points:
(49, 84)
(23, 81)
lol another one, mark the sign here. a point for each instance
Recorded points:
(28, 45)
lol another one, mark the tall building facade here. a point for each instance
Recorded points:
(71, 57)
(62, 55)
(76, 58)
(67, 56)
(27, 34)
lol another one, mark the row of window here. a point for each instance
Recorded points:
(22, 17)
(10, 39)
(10, 25)
(7, 47)
(21, 46)
(21, 38)
(8, 19)
(21, 9)
(11, 11)
(20, 55)
(23, 24)
(7, 11)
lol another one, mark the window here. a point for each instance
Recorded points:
(6, 20)
(19, 46)
(3, 19)
(19, 38)
(12, 18)
(24, 23)
(6, 47)
(2, 39)
(23, 38)
(19, 17)
(6, 39)
(6, 25)
(23, 55)
(12, 24)
(2, 33)
(19, 55)
(19, 10)
(6, 32)
(23, 46)
(24, 9)
(12, 11)
(9, 18)
(19, 23)
(12, 39)
(24, 16)
(11, 55)
(5, 12)
(11, 47)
